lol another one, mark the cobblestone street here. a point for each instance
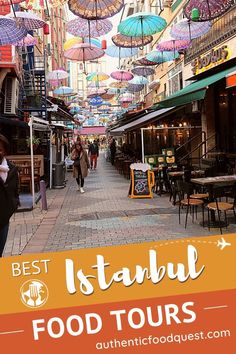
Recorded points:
(102, 216)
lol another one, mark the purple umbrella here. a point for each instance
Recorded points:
(135, 88)
(120, 40)
(188, 30)
(27, 19)
(122, 75)
(143, 71)
(173, 45)
(9, 32)
(95, 9)
(87, 28)
(144, 61)
(207, 9)
(26, 41)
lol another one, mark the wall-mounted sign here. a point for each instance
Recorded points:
(215, 57)
(231, 80)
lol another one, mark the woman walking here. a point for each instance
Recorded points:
(9, 193)
(81, 165)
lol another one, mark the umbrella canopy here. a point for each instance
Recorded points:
(139, 80)
(9, 32)
(173, 45)
(71, 42)
(83, 52)
(75, 110)
(118, 52)
(144, 61)
(94, 84)
(63, 91)
(119, 84)
(135, 88)
(207, 9)
(95, 92)
(96, 101)
(97, 76)
(57, 75)
(143, 71)
(95, 9)
(26, 41)
(88, 28)
(186, 29)
(162, 57)
(120, 40)
(116, 91)
(107, 96)
(39, 4)
(27, 19)
(126, 97)
(142, 24)
(122, 75)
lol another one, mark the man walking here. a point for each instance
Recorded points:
(94, 153)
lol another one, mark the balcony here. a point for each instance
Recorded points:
(222, 29)
(9, 58)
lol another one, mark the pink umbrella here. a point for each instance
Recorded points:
(95, 92)
(173, 45)
(84, 52)
(88, 28)
(26, 41)
(122, 75)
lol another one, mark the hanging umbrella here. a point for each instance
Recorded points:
(71, 42)
(83, 52)
(206, 9)
(39, 4)
(57, 75)
(98, 84)
(126, 97)
(144, 61)
(27, 19)
(119, 84)
(88, 28)
(75, 110)
(118, 52)
(97, 76)
(116, 91)
(143, 71)
(139, 80)
(107, 96)
(120, 40)
(26, 41)
(95, 9)
(122, 75)
(173, 45)
(186, 29)
(95, 92)
(96, 101)
(135, 88)
(162, 57)
(142, 24)
(63, 91)
(9, 32)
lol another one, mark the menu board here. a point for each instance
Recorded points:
(141, 183)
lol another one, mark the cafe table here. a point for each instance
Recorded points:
(209, 183)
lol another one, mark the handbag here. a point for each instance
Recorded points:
(77, 162)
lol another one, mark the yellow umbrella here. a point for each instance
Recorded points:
(71, 42)
(119, 84)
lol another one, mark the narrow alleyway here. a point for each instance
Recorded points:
(102, 216)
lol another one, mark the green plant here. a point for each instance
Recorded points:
(35, 141)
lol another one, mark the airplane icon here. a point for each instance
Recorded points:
(222, 243)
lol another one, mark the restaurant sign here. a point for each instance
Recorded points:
(207, 61)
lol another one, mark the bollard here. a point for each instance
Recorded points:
(43, 195)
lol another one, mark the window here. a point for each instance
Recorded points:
(175, 79)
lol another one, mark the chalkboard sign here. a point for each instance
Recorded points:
(141, 182)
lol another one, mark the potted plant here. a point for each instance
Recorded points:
(35, 142)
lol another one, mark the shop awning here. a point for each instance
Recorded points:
(193, 92)
(143, 120)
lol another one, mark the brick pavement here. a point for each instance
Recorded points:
(102, 216)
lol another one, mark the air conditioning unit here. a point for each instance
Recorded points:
(11, 95)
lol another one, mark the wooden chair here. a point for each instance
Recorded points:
(26, 177)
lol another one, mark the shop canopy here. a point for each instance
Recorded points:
(193, 92)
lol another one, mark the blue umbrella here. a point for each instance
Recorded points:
(142, 24)
(139, 80)
(161, 57)
(119, 52)
(63, 91)
(96, 101)
(116, 91)
(75, 110)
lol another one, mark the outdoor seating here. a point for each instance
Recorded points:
(25, 177)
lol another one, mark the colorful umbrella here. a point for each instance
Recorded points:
(88, 28)
(96, 101)
(39, 4)
(139, 80)
(71, 42)
(75, 110)
(116, 91)
(57, 75)
(186, 29)
(122, 75)
(143, 71)
(119, 52)
(27, 19)
(83, 52)
(144, 61)
(98, 84)
(63, 91)
(173, 45)
(126, 97)
(142, 24)
(95, 9)
(120, 40)
(107, 96)
(97, 76)
(207, 9)
(162, 57)
(95, 92)
(135, 88)
(26, 41)
(119, 84)
(9, 32)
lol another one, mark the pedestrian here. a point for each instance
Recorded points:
(113, 150)
(81, 165)
(94, 153)
(9, 192)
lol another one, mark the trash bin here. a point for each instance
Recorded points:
(58, 175)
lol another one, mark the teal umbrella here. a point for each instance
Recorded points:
(139, 80)
(161, 57)
(142, 24)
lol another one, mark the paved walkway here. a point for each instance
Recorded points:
(102, 216)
